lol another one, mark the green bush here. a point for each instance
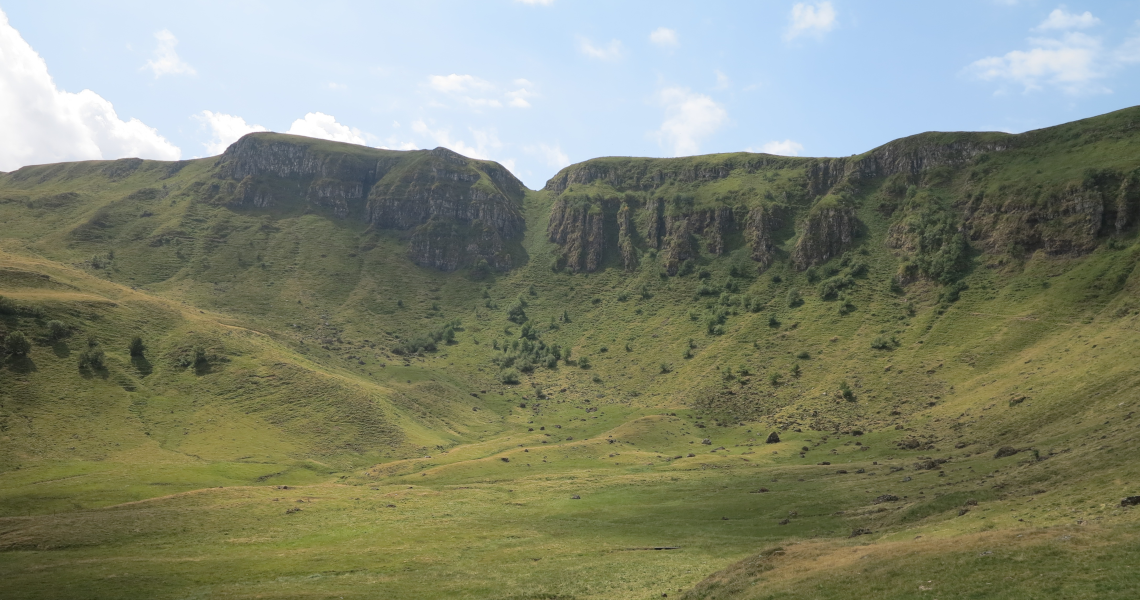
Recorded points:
(18, 344)
(830, 288)
(516, 313)
(666, 368)
(803, 355)
(584, 362)
(845, 391)
(883, 342)
(7, 306)
(92, 358)
(509, 376)
(137, 347)
(57, 330)
(794, 298)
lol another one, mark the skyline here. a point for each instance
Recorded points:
(538, 85)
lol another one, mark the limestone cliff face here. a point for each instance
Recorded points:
(825, 234)
(579, 230)
(457, 210)
(758, 231)
(626, 233)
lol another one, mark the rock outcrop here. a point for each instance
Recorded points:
(578, 228)
(824, 234)
(458, 210)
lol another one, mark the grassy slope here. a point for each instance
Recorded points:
(406, 493)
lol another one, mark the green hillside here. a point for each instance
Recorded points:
(371, 373)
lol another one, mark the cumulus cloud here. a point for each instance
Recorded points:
(784, 148)
(43, 124)
(1072, 63)
(815, 19)
(1059, 19)
(166, 61)
(689, 117)
(610, 51)
(663, 36)
(325, 127)
(224, 129)
(552, 155)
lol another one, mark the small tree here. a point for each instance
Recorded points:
(137, 347)
(92, 358)
(584, 362)
(509, 377)
(794, 298)
(18, 344)
(846, 391)
(56, 330)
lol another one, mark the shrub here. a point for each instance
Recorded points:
(812, 274)
(137, 347)
(846, 307)
(685, 269)
(773, 321)
(794, 298)
(703, 274)
(18, 344)
(830, 288)
(7, 306)
(774, 378)
(803, 355)
(92, 358)
(200, 357)
(884, 343)
(57, 330)
(796, 370)
(622, 297)
(666, 367)
(845, 391)
(777, 279)
(516, 314)
(509, 376)
(584, 362)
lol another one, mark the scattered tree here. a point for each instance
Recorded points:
(137, 347)
(18, 344)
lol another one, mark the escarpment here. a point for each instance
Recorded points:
(456, 211)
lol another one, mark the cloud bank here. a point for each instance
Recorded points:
(43, 124)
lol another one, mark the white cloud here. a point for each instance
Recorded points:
(442, 137)
(518, 98)
(453, 83)
(166, 61)
(816, 19)
(1059, 19)
(43, 124)
(523, 83)
(611, 51)
(224, 129)
(722, 80)
(1129, 51)
(536, 2)
(663, 36)
(1072, 64)
(784, 148)
(340, 87)
(551, 155)
(325, 127)
(688, 118)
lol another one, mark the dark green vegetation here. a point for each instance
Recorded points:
(308, 369)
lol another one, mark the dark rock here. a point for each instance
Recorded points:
(859, 532)
(575, 497)
(826, 233)
(824, 463)
(841, 472)
(783, 522)
(773, 438)
(886, 498)
(929, 464)
(505, 459)
(706, 442)
(1005, 451)
(1130, 501)
(963, 511)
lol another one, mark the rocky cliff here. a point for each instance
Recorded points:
(457, 210)
(825, 233)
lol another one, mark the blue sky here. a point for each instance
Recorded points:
(540, 84)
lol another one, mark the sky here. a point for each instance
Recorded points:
(540, 84)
